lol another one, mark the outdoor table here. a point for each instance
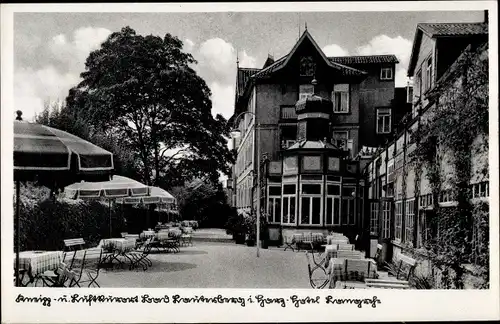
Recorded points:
(37, 262)
(330, 239)
(148, 234)
(120, 247)
(331, 252)
(335, 269)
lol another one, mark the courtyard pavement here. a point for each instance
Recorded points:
(215, 265)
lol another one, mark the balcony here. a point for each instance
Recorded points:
(288, 112)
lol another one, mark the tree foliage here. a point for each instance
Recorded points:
(143, 91)
(205, 202)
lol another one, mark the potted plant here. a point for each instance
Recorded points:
(236, 226)
(264, 232)
(250, 229)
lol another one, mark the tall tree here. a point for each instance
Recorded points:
(142, 89)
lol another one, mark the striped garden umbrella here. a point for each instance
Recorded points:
(117, 187)
(157, 196)
(45, 153)
(41, 149)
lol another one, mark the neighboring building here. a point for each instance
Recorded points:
(400, 202)
(311, 133)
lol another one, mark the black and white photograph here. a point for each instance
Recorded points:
(329, 152)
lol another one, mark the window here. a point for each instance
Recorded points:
(374, 218)
(386, 73)
(481, 190)
(409, 219)
(347, 209)
(425, 201)
(340, 98)
(288, 206)
(398, 220)
(386, 219)
(274, 204)
(409, 94)
(446, 196)
(418, 86)
(332, 216)
(428, 74)
(310, 204)
(383, 120)
(340, 138)
(305, 91)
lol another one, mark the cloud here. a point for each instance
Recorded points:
(399, 46)
(50, 82)
(188, 45)
(217, 53)
(72, 54)
(222, 99)
(246, 60)
(334, 50)
(217, 66)
(33, 87)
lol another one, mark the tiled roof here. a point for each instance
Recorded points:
(271, 68)
(453, 29)
(346, 70)
(244, 75)
(368, 59)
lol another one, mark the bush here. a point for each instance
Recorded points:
(45, 224)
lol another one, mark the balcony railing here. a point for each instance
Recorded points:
(288, 112)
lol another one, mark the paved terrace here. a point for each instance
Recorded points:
(215, 262)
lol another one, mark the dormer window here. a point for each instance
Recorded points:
(307, 66)
(305, 91)
(386, 73)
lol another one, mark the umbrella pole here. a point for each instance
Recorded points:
(110, 219)
(17, 232)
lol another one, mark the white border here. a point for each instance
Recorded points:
(396, 305)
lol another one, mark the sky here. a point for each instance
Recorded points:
(50, 48)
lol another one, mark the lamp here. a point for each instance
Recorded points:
(235, 133)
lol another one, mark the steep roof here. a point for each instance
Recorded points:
(243, 77)
(436, 30)
(366, 59)
(277, 65)
(453, 29)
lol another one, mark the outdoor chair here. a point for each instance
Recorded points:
(318, 275)
(187, 237)
(403, 267)
(74, 244)
(93, 265)
(59, 277)
(140, 257)
(76, 260)
(289, 242)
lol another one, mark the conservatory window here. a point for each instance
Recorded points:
(311, 204)
(288, 205)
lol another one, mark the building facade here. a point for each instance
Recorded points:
(401, 199)
(310, 116)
